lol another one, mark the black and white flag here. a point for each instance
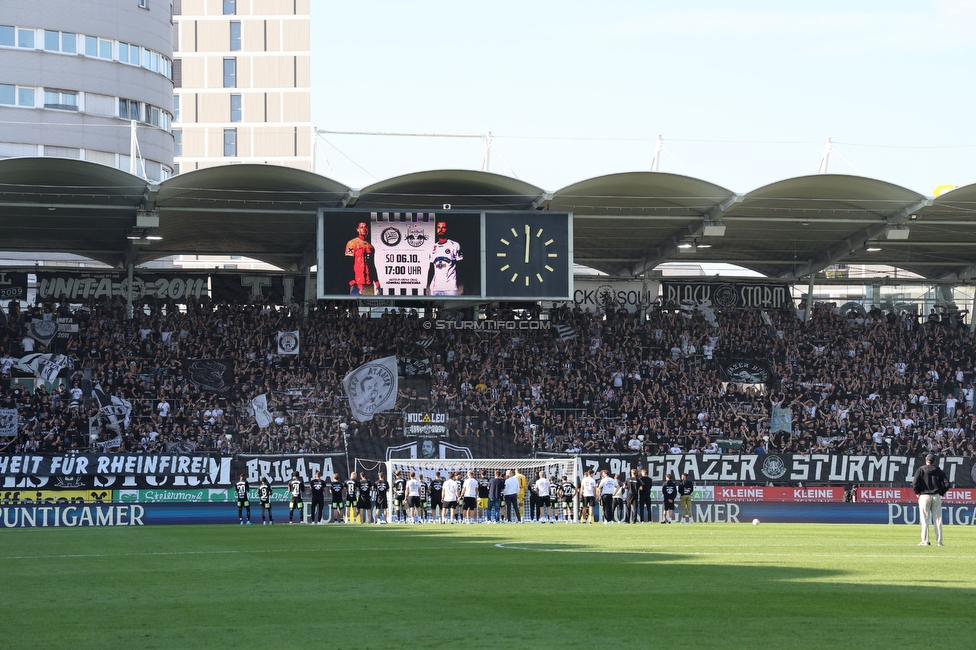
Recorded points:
(704, 307)
(113, 411)
(288, 342)
(42, 331)
(372, 388)
(411, 367)
(747, 371)
(566, 333)
(8, 422)
(262, 415)
(214, 375)
(426, 342)
(47, 367)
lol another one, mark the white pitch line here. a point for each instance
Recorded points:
(761, 554)
(222, 552)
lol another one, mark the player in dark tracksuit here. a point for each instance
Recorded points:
(365, 502)
(317, 489)
(633, 491)
(382, 488)
(669, 491)
(644, 497)
(686, 487)
(337, 490)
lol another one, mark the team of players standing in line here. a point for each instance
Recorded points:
(470, 499)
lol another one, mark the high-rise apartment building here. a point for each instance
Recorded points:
(242, 83)
(75, 76)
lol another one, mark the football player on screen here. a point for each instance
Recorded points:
(442, 275)
(365, 281)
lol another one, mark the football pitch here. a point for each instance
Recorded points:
(477, 586)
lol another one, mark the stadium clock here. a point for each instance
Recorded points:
(527, 255)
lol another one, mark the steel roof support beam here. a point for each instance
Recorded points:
(965, 273)
(667, 249)
(844, 248)
(149, 197)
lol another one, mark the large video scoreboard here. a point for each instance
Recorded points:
(451, 254)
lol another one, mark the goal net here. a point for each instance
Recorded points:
(558, 471)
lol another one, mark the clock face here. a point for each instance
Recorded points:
(528, 255)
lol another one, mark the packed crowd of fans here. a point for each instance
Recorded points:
(872, 383)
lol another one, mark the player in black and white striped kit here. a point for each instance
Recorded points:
(400, 496)
(352, 498)
(242, 489)
(296, 488)
(264, 496)
(567, 490)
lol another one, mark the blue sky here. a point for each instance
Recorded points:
(743, 93)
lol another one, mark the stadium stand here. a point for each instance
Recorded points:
(861, 384)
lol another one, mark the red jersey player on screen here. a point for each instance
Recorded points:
(442, 278)
(364, 282)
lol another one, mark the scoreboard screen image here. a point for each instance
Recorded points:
(451, 254)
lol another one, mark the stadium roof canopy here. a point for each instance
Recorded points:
(624, 224)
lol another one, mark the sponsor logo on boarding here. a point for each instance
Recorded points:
(773, 467)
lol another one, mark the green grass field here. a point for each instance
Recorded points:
(528, 586)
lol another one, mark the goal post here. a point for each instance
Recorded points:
(557, 470)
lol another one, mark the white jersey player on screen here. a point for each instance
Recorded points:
(443, 259)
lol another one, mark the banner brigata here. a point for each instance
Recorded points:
(808, 468)
(726, 295)
(278, 469)
(77, 287)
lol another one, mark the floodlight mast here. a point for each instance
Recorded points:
(825, 156)
(656, 159)
(486, 161)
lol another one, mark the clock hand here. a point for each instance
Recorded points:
(527, 242)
